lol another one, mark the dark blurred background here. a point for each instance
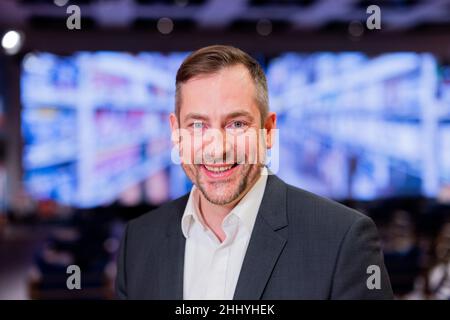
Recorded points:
(364, 118)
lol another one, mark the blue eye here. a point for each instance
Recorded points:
(197, 125)
(237, 125)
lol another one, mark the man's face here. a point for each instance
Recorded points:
(222, 147)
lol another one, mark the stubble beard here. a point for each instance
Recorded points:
(221, 195)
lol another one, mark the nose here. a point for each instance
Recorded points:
(216, 148)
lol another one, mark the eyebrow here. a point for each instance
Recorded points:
(235, 114)
(194, 116)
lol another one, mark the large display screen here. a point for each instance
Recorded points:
(358, 127)
(95, 125)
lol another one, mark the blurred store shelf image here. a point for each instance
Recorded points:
(85, 141)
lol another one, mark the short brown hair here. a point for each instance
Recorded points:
(211, 59)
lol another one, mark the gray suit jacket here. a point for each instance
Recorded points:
(302, 247)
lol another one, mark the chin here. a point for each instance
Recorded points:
(220, 196)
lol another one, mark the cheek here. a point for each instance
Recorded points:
(247, 148)
(191, 149)
(190, 171)
(186, 153)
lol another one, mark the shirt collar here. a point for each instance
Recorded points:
(246, 209)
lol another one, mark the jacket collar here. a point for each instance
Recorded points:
(265, 246)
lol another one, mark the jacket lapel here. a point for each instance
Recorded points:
(265, 246)
(266, 243)
(172, 256)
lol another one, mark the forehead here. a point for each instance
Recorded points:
(230, 89)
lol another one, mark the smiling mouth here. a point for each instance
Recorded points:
(218, 171)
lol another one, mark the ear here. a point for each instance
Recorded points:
(270, 124)
(174, 128)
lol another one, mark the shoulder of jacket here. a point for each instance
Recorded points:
(300, 201)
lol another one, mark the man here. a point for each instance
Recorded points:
(242, 233)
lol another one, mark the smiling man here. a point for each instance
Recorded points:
(242, 233)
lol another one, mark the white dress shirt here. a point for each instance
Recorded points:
(211, 268)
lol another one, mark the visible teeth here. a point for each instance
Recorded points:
(218, 169)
